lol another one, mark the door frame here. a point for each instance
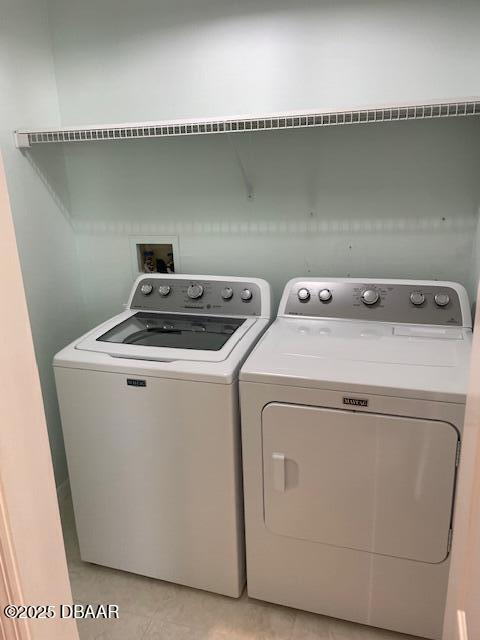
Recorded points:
(462, 614)
(33, 567)
(10, 629)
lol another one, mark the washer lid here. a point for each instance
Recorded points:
(175, 331)
(147, 335)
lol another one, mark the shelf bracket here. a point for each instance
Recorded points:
(246, 181)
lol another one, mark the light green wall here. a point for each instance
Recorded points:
(393, 200)
(44, 234)
(118, 60)
(397, 200)
(474, 278)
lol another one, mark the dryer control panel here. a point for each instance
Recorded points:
(174, 294)
(412, 302)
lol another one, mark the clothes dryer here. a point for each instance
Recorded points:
(352, 410)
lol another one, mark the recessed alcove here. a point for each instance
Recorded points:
(154, 254)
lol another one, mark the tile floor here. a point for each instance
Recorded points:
(155, 610)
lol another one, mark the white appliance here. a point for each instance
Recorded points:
(149, 408)
(352, 406)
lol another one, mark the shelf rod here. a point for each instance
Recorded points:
(25, 138)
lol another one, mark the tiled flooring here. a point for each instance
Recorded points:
(155, 610)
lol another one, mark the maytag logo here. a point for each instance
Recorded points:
(356, 402)
(136, 383)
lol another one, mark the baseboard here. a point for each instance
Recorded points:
(63, 490)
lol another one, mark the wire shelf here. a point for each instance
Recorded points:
(26, 138)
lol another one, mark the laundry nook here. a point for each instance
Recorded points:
(240, 257)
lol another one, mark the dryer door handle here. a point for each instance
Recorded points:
(278, 467)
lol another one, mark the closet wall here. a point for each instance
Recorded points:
(475, 265)
(396, 200)
(374, 200)
(45, 236)
(118, 60)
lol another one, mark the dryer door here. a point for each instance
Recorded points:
(376, 483)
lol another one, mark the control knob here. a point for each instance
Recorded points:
(195, 291)
(303, 295)
(417, 298)
(246, 295)
(146, 289)
(370, 296)
(164, 289)
(325, 295)
(442, 299)
(227, 293)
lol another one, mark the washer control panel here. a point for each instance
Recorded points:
(175, 295)
(374, 300)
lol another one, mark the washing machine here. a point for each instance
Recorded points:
(352, 407)
(150, 416)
